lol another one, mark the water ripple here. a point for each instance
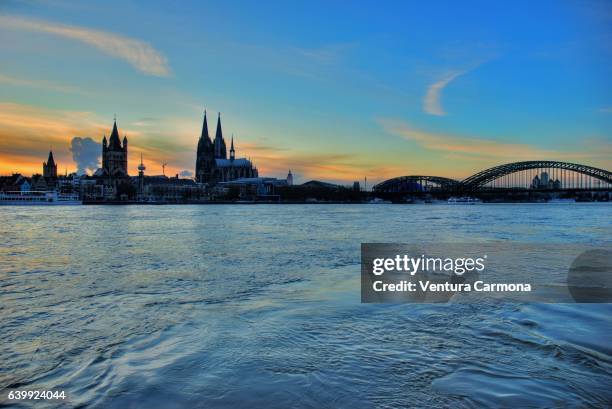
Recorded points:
(258, 306)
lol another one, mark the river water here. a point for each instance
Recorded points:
(259, 306)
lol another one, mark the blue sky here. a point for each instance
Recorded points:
(332, 90)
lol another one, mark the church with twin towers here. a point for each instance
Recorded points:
(212, 162)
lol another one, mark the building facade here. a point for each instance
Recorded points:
(111, 181)
(115, 155)
(543, 181)
(212, 163)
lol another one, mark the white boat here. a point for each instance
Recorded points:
(29, 198)
(378, 200)
(569, 200)
(464, 200)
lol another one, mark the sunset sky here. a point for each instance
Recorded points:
(332, 90)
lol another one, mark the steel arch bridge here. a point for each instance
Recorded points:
(482, 178)
(416, 183)
(514, 176)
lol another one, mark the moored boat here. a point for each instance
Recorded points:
(464, 200)
(30, 198)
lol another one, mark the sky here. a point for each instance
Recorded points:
(335, 91)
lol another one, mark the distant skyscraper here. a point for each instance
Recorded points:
(290, 178)
(49, 167)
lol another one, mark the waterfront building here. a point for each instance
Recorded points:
(15, 183)
(163, 189)
(254, 188)
(317, 184)
(70, 184)
(212, 163)
(41, 184)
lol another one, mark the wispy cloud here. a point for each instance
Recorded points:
(432, 103)
(605, 110)
(478, 149)
(137, 53)
(328, 54)
(460, 145)
(39, 84)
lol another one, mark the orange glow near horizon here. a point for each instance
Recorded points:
(28, 132)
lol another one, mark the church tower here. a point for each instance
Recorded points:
(220, 149)
(205, 158)
(114, 154)
(49, 167)
(232, 151)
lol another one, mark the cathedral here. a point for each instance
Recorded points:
(212, 163)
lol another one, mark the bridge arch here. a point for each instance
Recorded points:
(484, 177)
(416, 183)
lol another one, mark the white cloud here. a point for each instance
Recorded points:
(471, 148)
(431, 103)
(463, 145)
(137, 53)
(39, 84)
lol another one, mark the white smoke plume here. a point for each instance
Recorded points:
(86, 154)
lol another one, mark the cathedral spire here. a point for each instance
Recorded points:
(219, 133)
(220, 149)
(232, 151)
(205, 128)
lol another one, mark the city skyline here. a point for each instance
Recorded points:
(404, 89)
